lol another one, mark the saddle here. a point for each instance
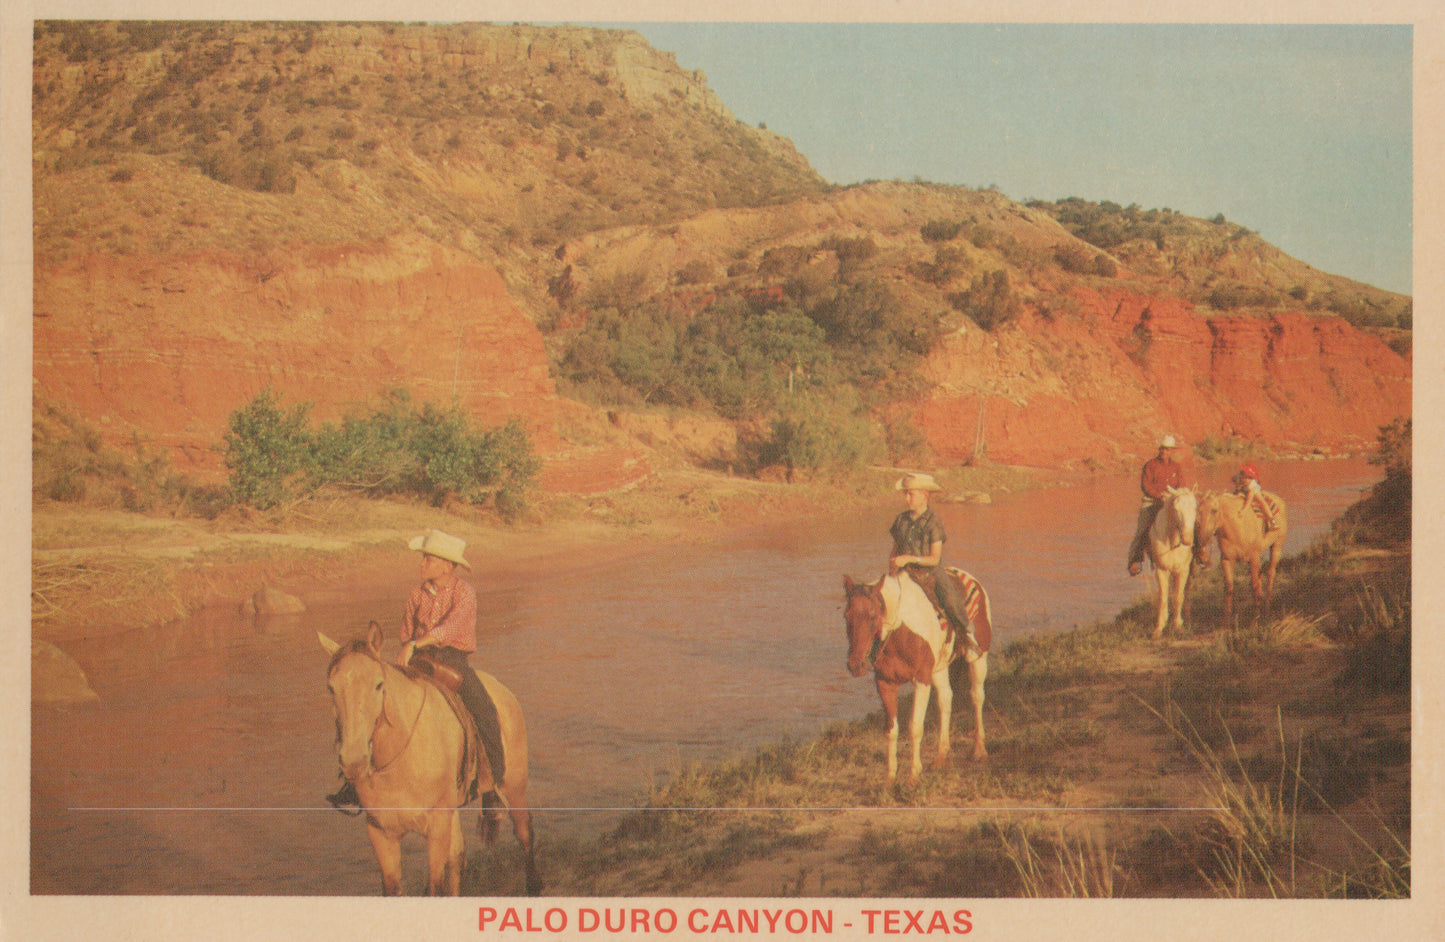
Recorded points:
(438, 673)
(975, 602)
(447, 681)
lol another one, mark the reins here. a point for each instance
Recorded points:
(409, 733)
(382, 716)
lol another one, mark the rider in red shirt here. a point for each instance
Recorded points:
(441, 620)
(1159, 474)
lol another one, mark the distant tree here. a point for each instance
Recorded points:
(940, 230)
(693, 272)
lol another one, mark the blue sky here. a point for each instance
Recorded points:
(1301, 133)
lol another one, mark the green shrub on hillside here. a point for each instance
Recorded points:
(431, 453)
(743, 357)
(990, 300)
(940, 230)
(869, 318)
(814, 433)
(733, 358)
(851, 253)
(1228, 297)
(948, 263)
(1107, 224)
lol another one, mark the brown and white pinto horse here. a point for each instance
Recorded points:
(400, 741)
(892, 625)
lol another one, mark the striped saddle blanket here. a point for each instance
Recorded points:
(975, 601)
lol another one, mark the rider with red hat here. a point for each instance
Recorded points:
(1246, 484)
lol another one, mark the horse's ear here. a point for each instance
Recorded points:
(327, 645)
(849, 585)
(373, 638)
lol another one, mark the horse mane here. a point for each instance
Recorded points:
(892, 601)
(360, 646)
(354, 646)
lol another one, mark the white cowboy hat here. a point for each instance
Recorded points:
(1168, 441)
(916, 482)
(441, 545)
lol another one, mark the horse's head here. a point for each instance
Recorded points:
(356, 679)
(1183, 513)
(863, 616)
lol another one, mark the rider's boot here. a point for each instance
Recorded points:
(971, 649)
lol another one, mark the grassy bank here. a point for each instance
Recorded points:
(1271, 759)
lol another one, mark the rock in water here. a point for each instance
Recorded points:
(269, 601)
(55, 679)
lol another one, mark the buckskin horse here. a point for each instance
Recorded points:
(1241, 535)
(414, 762)
(1171, 551)
(892, 625)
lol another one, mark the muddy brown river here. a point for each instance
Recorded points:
(203, 769)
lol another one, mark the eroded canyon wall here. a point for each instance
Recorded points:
(167, 348)
(1100, 386)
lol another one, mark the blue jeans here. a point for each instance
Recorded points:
(478, 703)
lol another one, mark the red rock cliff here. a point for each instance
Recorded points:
(167, 348)
(1103, 385)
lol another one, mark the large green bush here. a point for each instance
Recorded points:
(268, 451)
(746, 357)
(432, 453)
(815, 433)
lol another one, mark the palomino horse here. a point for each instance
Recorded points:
(1241, 535)
(1171, 549)
(413, 762)
(892, 623)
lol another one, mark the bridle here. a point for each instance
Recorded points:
(382, 718)
(875, 644)
(1176, 528)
